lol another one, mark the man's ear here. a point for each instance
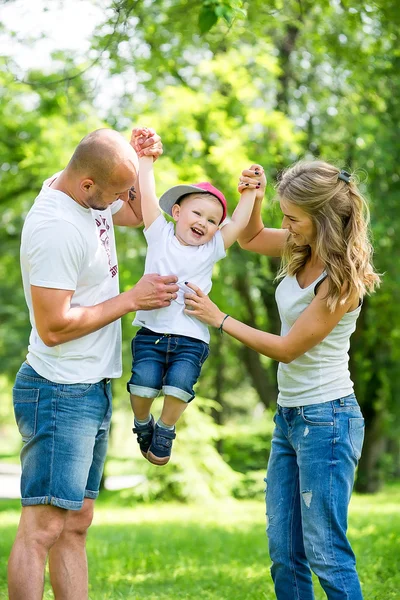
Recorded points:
(175, 210)
(86, 184)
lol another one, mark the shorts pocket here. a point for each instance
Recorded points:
(25, 409)
(74, 390)
(206, 352)
(356, 434)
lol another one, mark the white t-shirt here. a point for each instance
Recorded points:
(322, 373)
(69, 247)
(167, 256)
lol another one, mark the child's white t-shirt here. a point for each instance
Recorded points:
(167, 256)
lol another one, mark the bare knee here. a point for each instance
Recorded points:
(41, 526)
(78, 522)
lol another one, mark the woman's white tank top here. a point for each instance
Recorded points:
(322, 373)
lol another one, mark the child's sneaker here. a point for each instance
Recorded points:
(144, 435)
(160, 449)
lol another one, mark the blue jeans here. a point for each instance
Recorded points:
(314, 454)
(64, 429)
(167, 362)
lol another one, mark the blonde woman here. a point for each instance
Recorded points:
(326, 270)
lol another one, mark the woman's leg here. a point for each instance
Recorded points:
(329, 438)
(290, 570)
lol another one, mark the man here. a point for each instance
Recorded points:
(62, 395)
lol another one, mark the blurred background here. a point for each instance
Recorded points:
(225, 83)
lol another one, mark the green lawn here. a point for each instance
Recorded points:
(212, 552)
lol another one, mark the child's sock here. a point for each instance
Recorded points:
(164, 426)
(143, 421)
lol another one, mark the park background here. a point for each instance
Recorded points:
(225, 83)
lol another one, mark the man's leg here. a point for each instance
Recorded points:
(39, 528)
(67, 557)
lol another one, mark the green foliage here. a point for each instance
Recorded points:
(196, 471)
(246, 448)
(212, 10)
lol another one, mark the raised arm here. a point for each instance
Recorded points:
(145, 142)
(255, 237)
(314, 324)
(231, 231)
(150, 205)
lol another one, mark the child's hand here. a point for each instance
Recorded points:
(146, 142)
(253, 178)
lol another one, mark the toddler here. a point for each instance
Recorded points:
(171, 346)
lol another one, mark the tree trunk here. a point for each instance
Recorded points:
(263, 379)
(369, 476)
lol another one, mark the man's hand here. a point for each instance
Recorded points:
(146, 142)
(153, 291)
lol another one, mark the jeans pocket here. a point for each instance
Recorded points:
(25, 409)
(318, 414)
(356, 434)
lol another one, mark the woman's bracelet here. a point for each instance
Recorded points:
(220, 328)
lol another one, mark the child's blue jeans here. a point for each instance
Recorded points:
(167, 362)
(314, 454)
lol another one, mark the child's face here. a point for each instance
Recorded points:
(197, 219)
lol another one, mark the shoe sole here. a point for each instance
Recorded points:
(156, 460)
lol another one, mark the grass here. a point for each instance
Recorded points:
(212, 552)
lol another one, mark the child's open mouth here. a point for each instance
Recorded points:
(197, 231)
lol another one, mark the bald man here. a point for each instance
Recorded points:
(62, 393)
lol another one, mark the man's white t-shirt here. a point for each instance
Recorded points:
(66, 246)
(167, 256)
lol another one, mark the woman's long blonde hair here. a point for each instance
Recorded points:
(341, 217)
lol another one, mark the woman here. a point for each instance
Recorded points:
(326, 270)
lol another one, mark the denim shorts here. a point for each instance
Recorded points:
(64, 429)
(167, 362)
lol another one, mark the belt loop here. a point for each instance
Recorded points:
(341, 401)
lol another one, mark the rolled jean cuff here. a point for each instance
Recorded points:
(170, 390)
(142, 391)
(67, 504)
(91, 494)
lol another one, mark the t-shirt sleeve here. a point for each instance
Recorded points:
(219, 246)
(55, 254)
(157, 229)
(116, 206)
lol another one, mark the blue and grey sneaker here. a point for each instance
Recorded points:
(160, 449)
(144, 435)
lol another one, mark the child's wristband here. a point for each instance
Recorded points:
(220, 328)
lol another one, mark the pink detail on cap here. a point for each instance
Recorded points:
(207, 187)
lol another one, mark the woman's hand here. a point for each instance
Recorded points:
(200, 306)
(253, 178)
